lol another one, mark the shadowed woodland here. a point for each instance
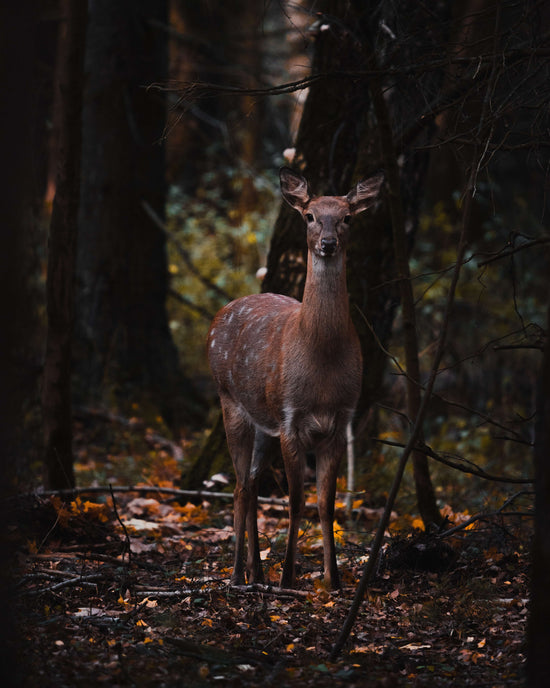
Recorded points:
(143, 141)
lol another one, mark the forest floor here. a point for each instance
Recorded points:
(132, 589)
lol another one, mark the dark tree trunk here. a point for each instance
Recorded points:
(538, 629)
(126, 352)
(18, 38)
(56, 394)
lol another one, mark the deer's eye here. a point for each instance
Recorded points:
(309, 217)
(347, 219)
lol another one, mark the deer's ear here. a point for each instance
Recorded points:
(294, 188)
(365, 193)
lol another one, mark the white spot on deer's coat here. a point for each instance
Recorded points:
(212, 343)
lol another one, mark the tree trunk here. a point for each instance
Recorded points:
(56, 395)
(538, 629)
(326, 145)
(17, 42)
(126, 352)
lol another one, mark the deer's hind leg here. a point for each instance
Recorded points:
(328, 461)
(294, 460)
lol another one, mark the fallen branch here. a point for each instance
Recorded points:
(271, 590)
(165, 593)
(247, 589)
(99, 489)
(78, 580)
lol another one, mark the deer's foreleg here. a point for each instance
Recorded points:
(294, 461)
(240, 440)
(328, 462)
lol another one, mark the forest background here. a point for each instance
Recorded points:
(144, 140)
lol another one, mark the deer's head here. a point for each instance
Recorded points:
(327, 217)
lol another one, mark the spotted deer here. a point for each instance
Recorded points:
(292, 371)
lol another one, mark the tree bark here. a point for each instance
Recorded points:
(538, 629)
(56, 394)
(18, 37)
(126, 352)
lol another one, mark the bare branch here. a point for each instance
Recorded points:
(507, 251)
(184, 255)
(457, 462)
(490, 514)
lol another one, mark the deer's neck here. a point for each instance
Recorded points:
(324, 315)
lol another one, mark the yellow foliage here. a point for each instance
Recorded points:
(63, 514)
(338, 533)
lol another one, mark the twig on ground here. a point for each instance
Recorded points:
(77, 580)
(198, 494)
(270, 590)
(183, 592)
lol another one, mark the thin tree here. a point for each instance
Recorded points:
(538, 629)
(17, 40)
(56, 395)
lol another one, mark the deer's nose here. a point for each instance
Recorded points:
(328, 246)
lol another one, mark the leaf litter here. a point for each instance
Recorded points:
(140, 596)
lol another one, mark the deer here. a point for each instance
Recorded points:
(290, 372)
